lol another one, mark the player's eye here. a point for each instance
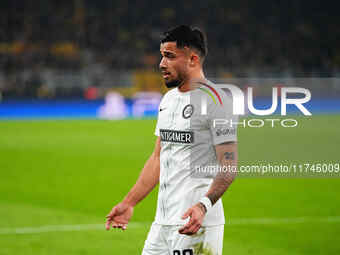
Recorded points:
(169, 55)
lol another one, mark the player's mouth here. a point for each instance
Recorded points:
(166, 75)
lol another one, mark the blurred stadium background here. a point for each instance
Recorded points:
(64, 65)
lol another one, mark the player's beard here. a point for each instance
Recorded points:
(174, 83)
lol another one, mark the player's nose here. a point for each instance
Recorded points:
(162, 64)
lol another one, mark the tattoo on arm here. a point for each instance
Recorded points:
(214, 196)
(221, 183)
(229, 155)
(222, 180)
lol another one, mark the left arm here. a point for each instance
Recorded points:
(227, 156)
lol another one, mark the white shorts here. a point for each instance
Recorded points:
(165, 240)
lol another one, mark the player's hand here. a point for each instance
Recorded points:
(119, 216)
(196, 214)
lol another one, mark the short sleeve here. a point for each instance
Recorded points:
(222, 121)
(158, 120)
(157, 126)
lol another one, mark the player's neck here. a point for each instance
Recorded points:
(194, 79)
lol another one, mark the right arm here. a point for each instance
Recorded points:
(148, 179)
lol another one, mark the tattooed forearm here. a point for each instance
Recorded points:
(220, 184)
(227, 156)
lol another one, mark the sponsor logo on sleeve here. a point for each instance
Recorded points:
(225, 131)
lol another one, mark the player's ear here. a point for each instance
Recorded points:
(194, 59)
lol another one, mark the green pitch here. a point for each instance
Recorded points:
(58, 180)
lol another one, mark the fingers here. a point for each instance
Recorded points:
(110, 220)
(108, 224)
(119, 225)
(194, 223)
(114, 224)
(193, 230)
(190, 222)
(190, 230)
(112, 213)
(187, 214)
(189, 226)
(198, 226)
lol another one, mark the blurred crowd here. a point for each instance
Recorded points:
(244, 37)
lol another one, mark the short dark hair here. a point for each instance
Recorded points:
(184, 35)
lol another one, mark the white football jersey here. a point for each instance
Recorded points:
(188, 140)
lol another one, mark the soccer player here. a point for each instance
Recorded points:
(189, 217)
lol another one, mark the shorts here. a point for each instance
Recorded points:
(165, 240)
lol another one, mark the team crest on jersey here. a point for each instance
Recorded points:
(188, 111)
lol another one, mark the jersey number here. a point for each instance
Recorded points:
(184, 252)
